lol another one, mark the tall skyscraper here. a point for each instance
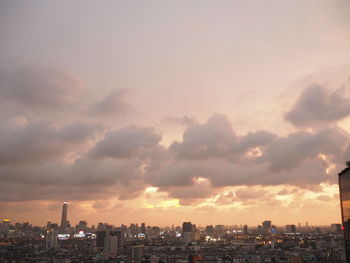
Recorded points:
(64, 222)
(344, 193)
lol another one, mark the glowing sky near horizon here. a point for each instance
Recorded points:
(215, 112)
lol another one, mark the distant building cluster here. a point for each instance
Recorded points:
(135, 243)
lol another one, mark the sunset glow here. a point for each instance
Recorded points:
(215, 112)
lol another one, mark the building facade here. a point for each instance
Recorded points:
(344, 193)
(64, 222)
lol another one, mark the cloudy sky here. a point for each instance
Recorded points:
(218, 112)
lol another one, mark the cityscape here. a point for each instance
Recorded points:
(105, 242)
(22, 242)
(169, 131)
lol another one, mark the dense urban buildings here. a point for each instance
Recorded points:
(266, 243)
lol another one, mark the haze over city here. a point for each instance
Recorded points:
(215, 112)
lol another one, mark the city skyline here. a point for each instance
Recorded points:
(223, 112)
(65, 224)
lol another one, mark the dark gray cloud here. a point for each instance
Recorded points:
(212, 139)
(83, 180)
(288, 152)
(317, 105)
(41, 141)
(27, 162)
(13, 192)
(128, 142)
(216, 139)
(127, 160)
(254, 139)
(293, 159)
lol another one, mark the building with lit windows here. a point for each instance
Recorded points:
(344, 193)
(51, 238)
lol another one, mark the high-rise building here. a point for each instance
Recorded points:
(209, 229)
(245, 230)
(344, 194)
(100, 237)
(336, 228)
(51, 238)
(137, 253)
(64, 222)
(5, 227)
(25, 227)
(110, 246)
(155, 231)
(81, 226)
(119, 235)
(187, 227)
(143, 228)
(133, 229)
(291, 229)
(50, 225)
(266, 227)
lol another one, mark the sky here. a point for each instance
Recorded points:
(215, 112)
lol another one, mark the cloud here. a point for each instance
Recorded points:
(128, 142)
(83, 180)
(213, 139)
(184, 120)
(283, 192)
(125, 161)
(318, 105)
(281, 160)
(41, 141)
(192, 193)
(216, 139)
(38, 88)
(101, 204)
(226, 198)
(38, 91)
(288, 152)
(247, 194)
(111, 105)
(325, 198)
